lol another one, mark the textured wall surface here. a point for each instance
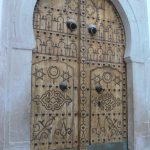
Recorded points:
(16, 44)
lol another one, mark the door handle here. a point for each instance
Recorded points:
(98, 88)
(63, 86)
(92, 29)
(71, 24)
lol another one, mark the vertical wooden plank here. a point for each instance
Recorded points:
(84, 81)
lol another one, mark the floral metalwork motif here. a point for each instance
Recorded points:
(42, 129)
(52, 100)
(96, 78)
(110, 128)
(98, 130)
(66, 76)
(63, 131)
(113, 127)
(53, 72)
(117, 80)
(106, 101)
(107, 77)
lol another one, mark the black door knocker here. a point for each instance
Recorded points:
(63, 86)
(92, 29)
(98, 88)
(71, 24)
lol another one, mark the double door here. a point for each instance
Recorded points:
(78, 75)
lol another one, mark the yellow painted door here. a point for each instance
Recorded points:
(78, 77)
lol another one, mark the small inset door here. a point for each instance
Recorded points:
(78, 75)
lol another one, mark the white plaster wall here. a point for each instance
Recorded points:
(3, 77)
(148, 60)
(148, 7)
(147, 78)
(19, 100)
(1, 88)
(16, 47)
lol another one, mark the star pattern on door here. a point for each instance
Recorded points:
(66, 76)
(39, 74)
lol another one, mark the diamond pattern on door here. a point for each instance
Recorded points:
(78, 75)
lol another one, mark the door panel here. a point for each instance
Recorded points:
(56, 112)
(107, 123)
(108, 44)
(55, 77)
(102, 61)
(68, 112)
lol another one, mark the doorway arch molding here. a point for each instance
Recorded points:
(22, 36)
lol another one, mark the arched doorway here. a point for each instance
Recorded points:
(78, 76)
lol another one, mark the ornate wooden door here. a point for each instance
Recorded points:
(78, 75)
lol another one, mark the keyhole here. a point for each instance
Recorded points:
(99, 104)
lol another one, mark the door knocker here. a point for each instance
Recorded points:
(71, 24)
(98, 88)
(63, 86)
(92, 29)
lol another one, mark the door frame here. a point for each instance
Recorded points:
(20, 41)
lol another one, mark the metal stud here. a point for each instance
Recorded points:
(71, 24)
(63, 86)
(92, 29)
